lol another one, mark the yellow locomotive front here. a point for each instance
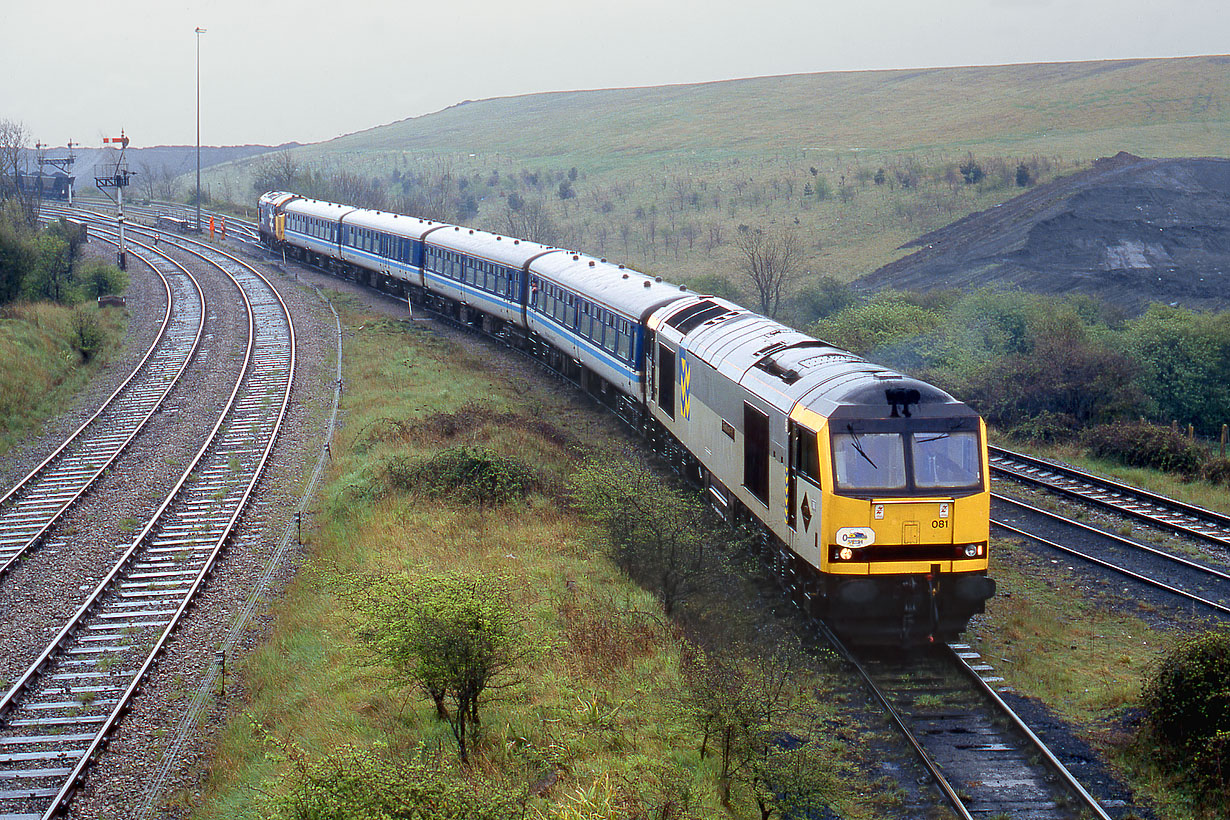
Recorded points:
(902, 506)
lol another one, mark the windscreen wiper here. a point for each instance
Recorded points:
(858, 448)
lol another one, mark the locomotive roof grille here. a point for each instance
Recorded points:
(693, 316)
(771, 366)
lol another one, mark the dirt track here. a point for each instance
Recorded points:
(1129, 231)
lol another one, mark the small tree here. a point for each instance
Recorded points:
(1023, 178)
(529, 219)
(276, 171)
(52, 275)
(769, 261)
(454, 636)
(14, 163)
(971, 171)
(752, 716)
(654, 533)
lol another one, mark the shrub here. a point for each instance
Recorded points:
(821, 299)
(659, 535)
(716, 284)
(356, 783)
(466, 475)
(1187, 715)
(88, 333)
(1186, 364)
(1216, 471)
(1140, 444)
(1066, 371)
(1046, 428)
(886, 320)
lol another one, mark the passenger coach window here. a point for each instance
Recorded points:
(869, 461)
(946, 460)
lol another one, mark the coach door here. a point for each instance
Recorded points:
(803, 496)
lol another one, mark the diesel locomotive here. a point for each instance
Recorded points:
(871, 489)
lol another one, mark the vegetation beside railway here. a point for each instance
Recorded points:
(51, 338)
(47, 352)
(597, 704)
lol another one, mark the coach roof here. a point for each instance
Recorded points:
(316, 209)
(495, 248)
(621, 289)
(408, 226)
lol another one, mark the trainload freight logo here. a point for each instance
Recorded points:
(685, 384)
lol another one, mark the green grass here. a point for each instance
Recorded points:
(40, 369)
(599, 702)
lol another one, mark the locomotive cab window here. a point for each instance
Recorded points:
(946, 460)
(869, 461)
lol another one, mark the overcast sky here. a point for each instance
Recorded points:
(309, 70)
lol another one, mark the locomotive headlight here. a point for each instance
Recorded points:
(846, 553)
(971, 550)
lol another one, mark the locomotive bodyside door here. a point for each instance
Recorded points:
(804, 496)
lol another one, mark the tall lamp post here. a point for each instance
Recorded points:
(199, 32)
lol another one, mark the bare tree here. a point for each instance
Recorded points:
(158, 181)
(531, 221)
(770, 263)
(277, 171)
(13, 139)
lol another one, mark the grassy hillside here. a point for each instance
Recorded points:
(855, 163)
(1147, 107)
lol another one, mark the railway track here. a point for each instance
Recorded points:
(1191, 581)
(1159, 511)
(1197, 583)
(982, 757)
(32, 506)
(239, 228)
(59, 713)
